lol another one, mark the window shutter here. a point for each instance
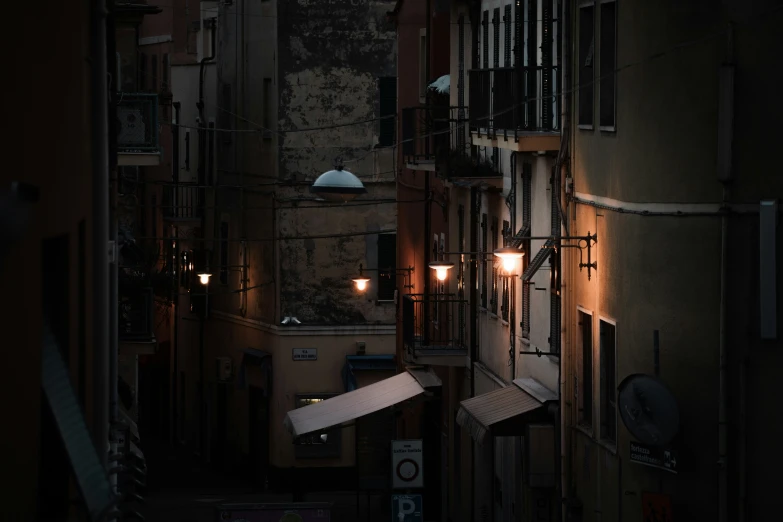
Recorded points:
(507, 33)
(485, 38)
(496, 37)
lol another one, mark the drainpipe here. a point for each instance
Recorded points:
(512, 351)
(174, 207)
(473, 299)
(100, 230)
(725, 138)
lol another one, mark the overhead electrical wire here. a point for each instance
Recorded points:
(279, 238)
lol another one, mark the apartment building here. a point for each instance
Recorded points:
(686, 285)
(279, 324)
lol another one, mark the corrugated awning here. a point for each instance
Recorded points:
(480, 414)
(358, 403)
(538, 260)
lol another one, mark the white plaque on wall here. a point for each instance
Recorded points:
(305, 354)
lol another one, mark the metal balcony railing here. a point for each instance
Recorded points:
(183, 201)
(136, 314)
(137, 122)
(430, 132)
(435, 324)
(513, 100)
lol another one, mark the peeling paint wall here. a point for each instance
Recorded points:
(331, 54)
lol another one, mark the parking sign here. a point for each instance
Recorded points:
(406, 508)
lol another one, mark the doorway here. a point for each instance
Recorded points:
(258, 435)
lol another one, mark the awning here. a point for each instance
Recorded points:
(90, 475)
(375, 362)
(358, 403)
(253, 356)
(499, 411)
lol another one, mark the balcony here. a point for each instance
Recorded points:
(516, 108)
(137, 129)
(429, 133)
(136, 310)
(434, 329)
(183, 203)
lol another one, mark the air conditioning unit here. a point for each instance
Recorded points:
(540, 455)
(225, 368)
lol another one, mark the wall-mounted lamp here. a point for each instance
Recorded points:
(203, 278)
(361, 281)
(441, 269)
(338, 184)
(509, 257)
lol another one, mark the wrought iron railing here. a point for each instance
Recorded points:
(137, 122)
(136, 314)
(434, 324)
(511, 100)
(182, 201)
(431, 133)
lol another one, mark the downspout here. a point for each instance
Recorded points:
(427, 191)
(100, 230)
(175, 202)
(473, 331)
(725, 138)
(512, 350)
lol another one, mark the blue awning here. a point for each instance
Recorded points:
(384, 362)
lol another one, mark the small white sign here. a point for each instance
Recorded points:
(305, 354)
(407, 464)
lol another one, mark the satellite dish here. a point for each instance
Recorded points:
(648, 409)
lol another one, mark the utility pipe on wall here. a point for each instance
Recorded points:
(100, 229)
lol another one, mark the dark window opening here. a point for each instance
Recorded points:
(154, 72)
(387, 264)
(608, 382)
(507, 37)
(607, 65)
(495, 270)
(224, 252)
(506, 280)
(484, 274)
(321, 444)
(586, 71)
(496, 37)
(267, 103)
(586, 374)
(387, 101)
(485, 41)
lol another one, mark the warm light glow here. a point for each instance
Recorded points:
(361, 283)
(204, 278)
(509, 257)
(441, 269)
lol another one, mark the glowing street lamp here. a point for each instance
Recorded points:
(509, 257)
(441, 269)
(361, 281)
(203, 278)
(338, 185)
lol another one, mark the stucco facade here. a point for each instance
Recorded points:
(660, 263)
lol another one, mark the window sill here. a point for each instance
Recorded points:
(582, 126)
(384, 302)
(493, 315)
(504, 322)
(607, 128)
(608, 445)
(585, 430)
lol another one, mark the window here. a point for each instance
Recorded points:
(608, 381)
(461, 246)
(154, 72)
(585, 386)
(585, 67)
(506, 280)
(527, 200)
(607, 64)
(495, 271)
(226, 116)
(387, 264)
(507, 37)
(321, 444)
(422, 63)
(224, 252)
(461, 62)
(142, 81)
(485, 40)
(485, 264)
(165, 73)
(187, 149)
(496, 37)
(387, 102)
(267, 103)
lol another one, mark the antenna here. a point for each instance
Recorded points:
(648, 409)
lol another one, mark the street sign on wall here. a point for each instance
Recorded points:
(407, 464)
(406, 508)
(305, 354)
(661, 458)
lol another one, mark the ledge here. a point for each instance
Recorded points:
(525, 141)
(305, 330)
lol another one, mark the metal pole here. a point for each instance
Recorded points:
(100, 230)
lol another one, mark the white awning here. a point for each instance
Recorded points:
(358, 403)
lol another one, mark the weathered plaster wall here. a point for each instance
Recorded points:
(331, 55)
